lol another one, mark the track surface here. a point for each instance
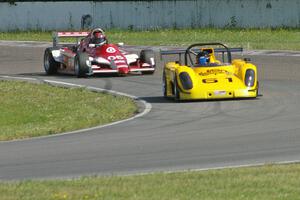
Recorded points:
(173, 136)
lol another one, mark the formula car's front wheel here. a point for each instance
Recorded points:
(147, 72)
(50, 65)
(80, 66)
(147, 56)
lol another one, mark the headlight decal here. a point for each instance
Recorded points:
(186, 80)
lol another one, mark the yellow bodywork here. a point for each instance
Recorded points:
(223, 81)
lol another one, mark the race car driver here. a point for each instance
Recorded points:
(98, 38)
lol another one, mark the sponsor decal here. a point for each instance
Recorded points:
(111, 50)
(115, 58)
(214, 71)
(220, 92)
(120, 61)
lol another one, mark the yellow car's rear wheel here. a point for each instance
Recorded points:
(165, 86)
(257, 90)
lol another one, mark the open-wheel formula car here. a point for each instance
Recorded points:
(93, 54)
(203, 76)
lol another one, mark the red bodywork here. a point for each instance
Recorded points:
(111, 53)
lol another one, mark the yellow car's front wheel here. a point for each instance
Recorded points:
(176, 89)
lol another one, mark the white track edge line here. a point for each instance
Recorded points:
(19, 78)
(146, 110)
(204, 169)
(133, 173)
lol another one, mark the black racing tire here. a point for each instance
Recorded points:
(50, 65)
(80, 67)
(148, 56)
(165, 85)
(147, 72)
(176, 90)
(257, 90)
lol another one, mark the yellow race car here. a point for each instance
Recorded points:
(203, 76)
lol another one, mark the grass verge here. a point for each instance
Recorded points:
(275, 39)
(29, 110)
(276, 182)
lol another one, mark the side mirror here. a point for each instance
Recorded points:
(92, 45)
(120, 44)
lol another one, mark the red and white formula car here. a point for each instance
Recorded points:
(93, 54)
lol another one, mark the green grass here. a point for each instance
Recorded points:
(275, 39)
(23, 114)
(29, 110)
(274, 182)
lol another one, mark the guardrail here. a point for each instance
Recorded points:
(62, 15)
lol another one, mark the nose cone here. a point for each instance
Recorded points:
(123, 70)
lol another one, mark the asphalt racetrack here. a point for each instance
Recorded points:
(172, 136)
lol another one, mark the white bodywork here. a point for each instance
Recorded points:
(58, 57)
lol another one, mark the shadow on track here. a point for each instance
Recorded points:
(161, 99)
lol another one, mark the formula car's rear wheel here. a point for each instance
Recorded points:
(50, 65)
(147, 56)
(80, 66)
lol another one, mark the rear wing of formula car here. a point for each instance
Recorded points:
(77, 35)
(181, 52)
